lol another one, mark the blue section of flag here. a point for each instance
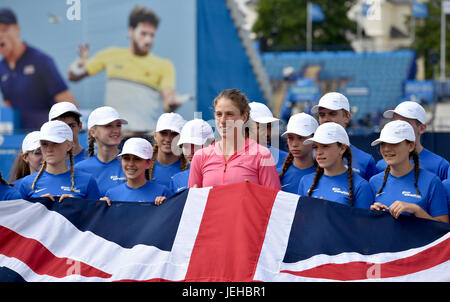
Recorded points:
(147, 223)
(324, 227)
(316, 13)
(419, 10)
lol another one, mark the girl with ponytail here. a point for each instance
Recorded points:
(136, 160)
(404, 187)
(334, 179)
(167, 160)
(55, 178)
(299, 161)
(105, 131)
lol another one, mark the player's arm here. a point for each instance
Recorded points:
(77, 70)
(65, 96)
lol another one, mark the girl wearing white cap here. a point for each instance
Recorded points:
(165, 163)
(335, 107)
(404, 187)
(29, 159)
(415, 115)
(195, 135)
(7, 191)
(69, 114)
(332, 180)
(105, 130)
(55, 178)
(136, 160)
(299, 162)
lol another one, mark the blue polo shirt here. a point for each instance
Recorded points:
(336, 189)
(31, 86)
(107, 175)
(432, 198)
(363, 163)
(279, 156)
(57, 184)
(446, 184)
(146, 193)
(179, 181)
(9, 193)
(162, 174)
(292, 177)
(428, 161)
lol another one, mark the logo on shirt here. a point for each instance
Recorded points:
(338, 190)
(4, 77)
(29, 69)
(68, 189)
(115, 178)
(37, 191)
(409, 194)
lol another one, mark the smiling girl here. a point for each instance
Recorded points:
(299, 162)
(136, 160)
(55, 178)
(333, 180)
(105, 129)
(29, 159)
(405, 187)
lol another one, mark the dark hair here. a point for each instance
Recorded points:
(415, 157)
(237, 97)
(319, 172)
(69, 114)
(142, 14)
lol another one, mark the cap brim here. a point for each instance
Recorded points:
(304, 134)
(266, 120)
(107, 121)
(388, 113)
(311, 140)
(389, 140)
(53, 139)
(134, 153)
(191, 140)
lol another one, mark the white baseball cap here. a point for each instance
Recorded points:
(170, 121)
(301, 124)
(260, 113)
(332, 101)
(59, 109)
(56, 132)
(329, 133)
(408, 109)
(103, 116)
(395, 132)
(31, 141)
(196, 132)
(137, 146)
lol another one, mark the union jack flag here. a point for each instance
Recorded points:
(239, 232)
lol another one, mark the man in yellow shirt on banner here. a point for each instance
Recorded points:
(140, 85)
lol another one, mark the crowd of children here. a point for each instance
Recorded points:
(320, 161)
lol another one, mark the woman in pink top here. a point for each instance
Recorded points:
(234, 158)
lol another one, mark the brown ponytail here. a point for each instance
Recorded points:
(152, 166)
(348, 154)
(287, 163)
(317, 176)
(415, 157)
(72, 172)
(44, 165)
(91, 142)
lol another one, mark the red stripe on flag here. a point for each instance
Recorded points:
(359, 270)
(231, 233)
(43, 262)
